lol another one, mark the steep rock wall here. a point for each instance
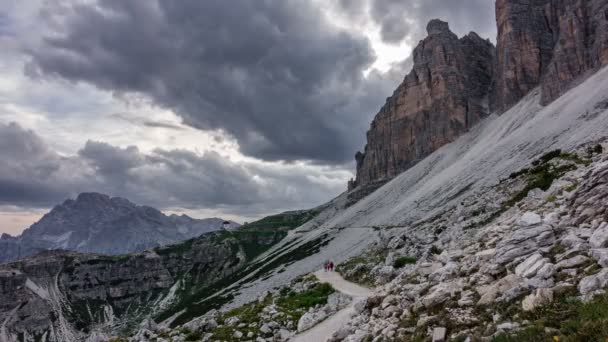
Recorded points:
(445, 94)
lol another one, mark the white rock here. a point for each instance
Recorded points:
(439, 334)
(530, 266)
(360, 305)
(390, 259)
(599, 239)
(232, 321)
(538, 298)
(237, 334)
(572, 262)
(310, 319)
(489, 293)
(485, 254)
(283, 334)
(551, 218)
(507, 326)
(601, 256)
(594, 282)
(547, 271)
(529, 218)
(265, 329)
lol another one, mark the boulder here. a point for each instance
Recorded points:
(538, 298)
(489, 293)
(310, 319)
(529, 219)
(594, 282)
(601, 256)
(531, 265)
(265, 329)
(572, 262)
(599, 238)
(439, 334)
(232, 321)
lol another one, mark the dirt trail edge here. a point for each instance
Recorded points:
(324, 330)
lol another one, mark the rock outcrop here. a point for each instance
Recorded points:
(523, 48)
(547, 43)
(550, 44)
(97, 223)
(580, 30)
(68, 296)
(442, 97)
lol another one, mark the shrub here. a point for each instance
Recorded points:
(404, 260)
(435, 250)
(306, 299)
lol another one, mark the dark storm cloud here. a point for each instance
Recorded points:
(32, 175)
(407, 19)
(273, 74)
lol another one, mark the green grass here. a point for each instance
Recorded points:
(293, 305)
(404, 260)
(574, 321)
(542, 174)
(286, 220)
(192, 300)
(194, 336)
(363, 265)
(296, 304)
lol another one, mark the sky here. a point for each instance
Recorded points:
(235, 109)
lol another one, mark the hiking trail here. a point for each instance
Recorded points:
(324, 330)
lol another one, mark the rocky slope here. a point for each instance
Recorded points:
(527, 262)
(64, 296)
(551, 44)
(445, 94)
(68, 296)
(96, 223)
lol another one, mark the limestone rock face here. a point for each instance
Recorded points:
(442, 97)
(523, 47)
(581, 43)
(547, 43)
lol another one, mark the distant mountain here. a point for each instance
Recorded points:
(97, 223)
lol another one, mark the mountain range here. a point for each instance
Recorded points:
(97, 223)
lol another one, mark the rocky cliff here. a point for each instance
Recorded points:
(68, 296)
(547, 43)
(97, 223)
(551, 44)
(442, 97)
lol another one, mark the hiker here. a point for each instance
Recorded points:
(326, 266)
(331, 265)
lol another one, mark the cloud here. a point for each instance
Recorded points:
(275, 75)
(400, 20)
(32, 176)
(30, 173)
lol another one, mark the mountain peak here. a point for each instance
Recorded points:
(98, 223)
(437, 26)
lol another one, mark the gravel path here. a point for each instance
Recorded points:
(324, 330)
